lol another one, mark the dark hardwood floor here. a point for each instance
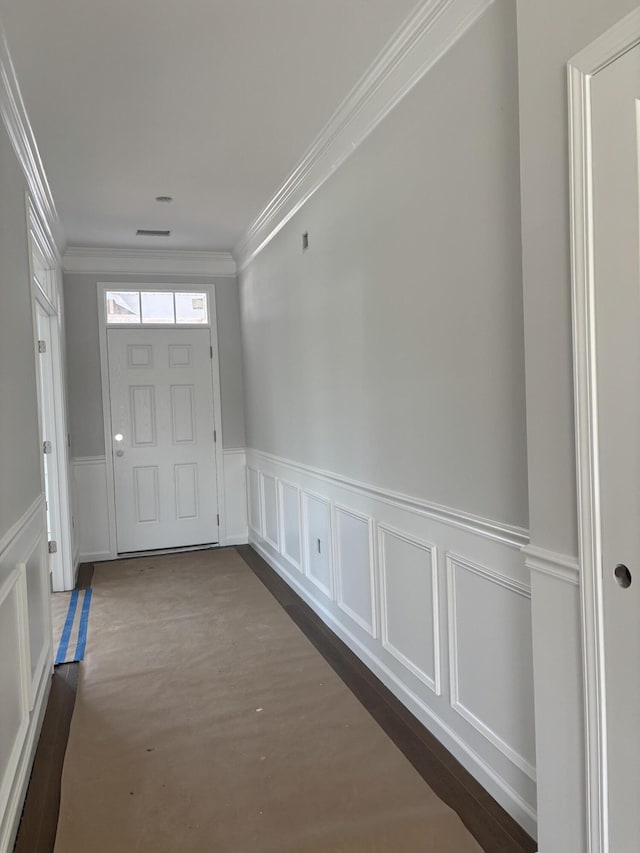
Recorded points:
(494, 829)
(489, 823)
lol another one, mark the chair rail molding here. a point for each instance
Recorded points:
(16, 120)
(621, 37)
(148, 262)
(507, 534)
(426, 35)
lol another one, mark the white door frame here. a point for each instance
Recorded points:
(581, 69)
(210, 290)
(48, 294)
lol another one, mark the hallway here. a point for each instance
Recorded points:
(204, 714)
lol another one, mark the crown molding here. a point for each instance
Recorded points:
(147, 262)
(16, 120)
(429, 32)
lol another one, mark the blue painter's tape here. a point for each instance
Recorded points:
(84, 622)
(66, 631)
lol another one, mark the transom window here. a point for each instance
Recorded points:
(156, 307)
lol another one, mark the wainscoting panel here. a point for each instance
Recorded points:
(235, 496)
(269, 493)
(290, 523)
(90, 483)
(491, 661)
(436, 603)
(354, 568)
(409, 603)
(318, 542)
(25, 659)
(254, 502)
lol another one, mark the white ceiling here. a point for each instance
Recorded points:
(213, 102)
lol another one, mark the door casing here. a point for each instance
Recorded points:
(622, 37)
(210, 290)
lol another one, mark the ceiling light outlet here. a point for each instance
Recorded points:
(151, 232)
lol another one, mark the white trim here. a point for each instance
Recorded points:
(370, 627)
(212, 325)
(11, 536)
(452, 562)
(89, 460)
(384, 530)
(330, 590)
(280, 484)
(427, 34)
(617, 40)
(63, 568)
(478, 766)
(148, 262)
(506, 534)
(16, 120)
(263, 511)
(559, 566)
(250, 527)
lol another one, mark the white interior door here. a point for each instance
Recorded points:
(616, 143)
(162, 420)
(46, 411)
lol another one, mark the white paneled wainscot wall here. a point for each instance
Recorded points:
(92, 507)
(436, 602)
(25, 659)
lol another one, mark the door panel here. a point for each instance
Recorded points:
(161, 395)
(615, 93)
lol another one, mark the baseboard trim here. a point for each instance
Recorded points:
(97, 557)
(501, 790)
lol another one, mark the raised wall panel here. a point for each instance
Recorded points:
(183, 419)
(143, 415)
(318, 541)
(139, 356)
(354, 564)
(491, 659)
(186, 488)
(145, 490)
(14, 678)
(180, 355)
(270, 510)
(92, 518)
(253, 487)
(290, 523)
(38, 604)
(409, 603)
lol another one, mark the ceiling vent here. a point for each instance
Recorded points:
(150, 232)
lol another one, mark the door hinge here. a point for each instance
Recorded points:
(47, 447)
(210, 352)
(215, 436)
(53, 546)
(42, 346)
(218, 517)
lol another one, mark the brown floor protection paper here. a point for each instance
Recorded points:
(206, 721)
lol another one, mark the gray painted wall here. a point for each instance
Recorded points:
(549, 34)
(83, 358)
(392, 350)
(20, 483)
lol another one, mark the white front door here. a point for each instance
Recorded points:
(162, 430)
(615, 106)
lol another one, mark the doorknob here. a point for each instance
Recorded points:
(119, 452)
